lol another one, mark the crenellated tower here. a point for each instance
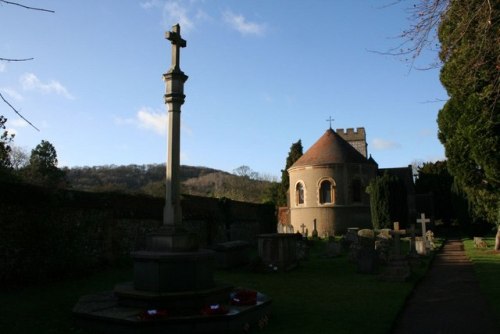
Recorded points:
(355, 137)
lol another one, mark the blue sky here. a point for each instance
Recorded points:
(262, 74)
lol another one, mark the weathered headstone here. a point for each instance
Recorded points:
(278, 250)
(397, 269)
(231, 254)
(332, 249)
(420, 246)
(413, 249)
(367, 260)
(314, 233)
(480, 243)
(429, 237)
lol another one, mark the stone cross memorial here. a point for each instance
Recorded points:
(172, 275)
(174, 99)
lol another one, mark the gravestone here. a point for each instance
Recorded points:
(303, 226)
(480, 243)
(302, 248)
(367, 260)
(364, 252)
(332, 249)
(413, 249)
(278, 250)
(429, 237)
(231, 254)
(397, 269)
(423, 221)
(420, 246)
(351, 237)
(383, 245)
(314, 233)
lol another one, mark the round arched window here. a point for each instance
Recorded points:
(299, 194)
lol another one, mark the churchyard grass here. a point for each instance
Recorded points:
(487, 267)
(321, 296)
(328, 296)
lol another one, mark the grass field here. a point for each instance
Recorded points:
(321, 296)
(487, 266)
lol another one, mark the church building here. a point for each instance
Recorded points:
(327, 184)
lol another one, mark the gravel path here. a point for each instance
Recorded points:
(448, 299)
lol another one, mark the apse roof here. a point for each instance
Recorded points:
(330, 149)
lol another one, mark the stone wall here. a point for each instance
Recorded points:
(52, 232)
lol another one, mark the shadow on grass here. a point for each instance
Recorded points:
(321, 296)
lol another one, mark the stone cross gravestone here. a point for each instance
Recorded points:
(303, 229)
(423, 221)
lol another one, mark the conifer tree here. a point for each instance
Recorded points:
(469, 122)
(294, 155)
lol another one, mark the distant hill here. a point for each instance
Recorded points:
(150, 179)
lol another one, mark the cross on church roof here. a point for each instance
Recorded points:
(174, 36)
(330, 120)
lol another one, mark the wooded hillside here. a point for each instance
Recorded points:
(150, 180)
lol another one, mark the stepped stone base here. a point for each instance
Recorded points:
(104, 313)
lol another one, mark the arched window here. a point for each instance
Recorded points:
(299, 193)
(326, 192)
(356, 190)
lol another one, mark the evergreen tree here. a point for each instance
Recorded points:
(294, 155)
(388, 201)
(42, 168)
(469, 122)
(5, 149)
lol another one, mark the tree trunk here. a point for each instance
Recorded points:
(497, 240)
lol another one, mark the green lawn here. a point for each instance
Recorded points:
(487, 266)
(321, 296)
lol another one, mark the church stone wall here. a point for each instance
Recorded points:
(343, 212)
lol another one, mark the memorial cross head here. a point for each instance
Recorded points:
(175, 38)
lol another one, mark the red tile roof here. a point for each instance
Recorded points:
(330, 149)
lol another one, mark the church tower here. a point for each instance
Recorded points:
(355, 137)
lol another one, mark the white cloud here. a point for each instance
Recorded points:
(382, 144)
(240, 24)
(150, 119)
(12, 93)
(150, 4)
(174, 12)
(30, 81)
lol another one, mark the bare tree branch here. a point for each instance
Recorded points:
(17, 112)
(15, 59)
(20, 59)
(27, 7)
